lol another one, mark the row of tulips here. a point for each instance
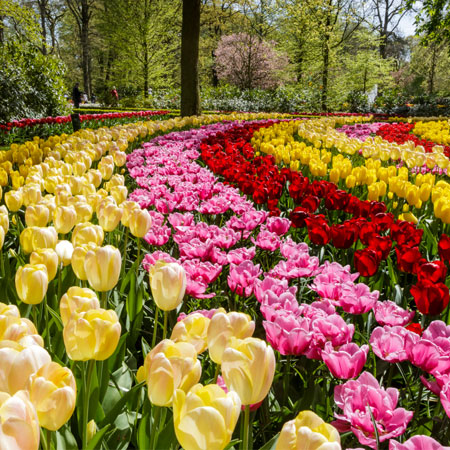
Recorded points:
(158, 181)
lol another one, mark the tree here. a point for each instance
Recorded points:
(248, 62)
(82, 11)
(190, 35)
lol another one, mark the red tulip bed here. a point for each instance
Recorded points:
(199, 293)
(19, 130)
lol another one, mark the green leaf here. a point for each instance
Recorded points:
(167, 436)
(271, 445)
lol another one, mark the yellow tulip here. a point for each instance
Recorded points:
(19, 425)
(84, 212)
(34, 238)
(49, 258)
(4, 218)
(128, 207)
(18, 363)
(225, 325)
(93, 334)
(168, 284)
(14, 200)
(120, 158)
(119, 193)
(37, 215)
(205, 417)
(140, 222)
(77, 300)
(31, 194)
(53, 392)
(102, 267)
(9, 310)
(79, 257)
(18, 329)
(64, 250)
(193, 329)
(308, 431)
(109, 216)
(64, 219)
(86, 232)
(248, 367)
(32, 283)
(170, 366)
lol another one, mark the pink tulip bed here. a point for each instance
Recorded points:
(343, 350)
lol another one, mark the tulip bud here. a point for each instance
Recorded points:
(93, 334)
(78, 258)
(170, 366)
(308, 430)
(223, 326)
(140, 222)
(19, 426)
(77, 300)
(14, 200)
(248, 367)
(205, 417)
(86, 232)
(64, 250)
(53, 392)
(109, 216)
(168, 284)
(64, 219)
(128, 207)
(34, 238)
(18, 363)
(36, 215)
(119, 193)
(102, 267)
(32, 283)
(193, 329)
(49, 258)
(91, 429)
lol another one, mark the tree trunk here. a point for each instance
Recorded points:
(42, 12)
(145, 68)
(190, 35)
(2, 36)
(432, 72)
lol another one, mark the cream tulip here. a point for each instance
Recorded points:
(102, 267)
(31, 283)
(77, 300)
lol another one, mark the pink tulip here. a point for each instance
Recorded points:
(363, 399)
(274, 285)
(241, 254)
(151, 258)
(267, 240)
(290, 249)
(288, 334)
(357, 298)
(345, 362)
(278, 225)
(418, 442)
(242, 277)
(389, 313)
(178, 219)
(389, 343)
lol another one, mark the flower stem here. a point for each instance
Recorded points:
(104, 300)
(87, 391)
(245, 440)
(154, 437)
(138, 256)
(216, 374)
(155, 327)
(166, 313)
(124, 253)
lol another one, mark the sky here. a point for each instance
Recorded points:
(406, 25)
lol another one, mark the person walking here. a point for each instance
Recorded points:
(76, 95)
(115, 96)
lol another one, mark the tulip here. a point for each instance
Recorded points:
(32, 283)
(18, 363)
(14, 200)
(64, 219)
(308, 431)
(416, 443)
(19, 425)
(346, 362)
(248, 367)
(64, 250)
(168, 284)
(93, 334)
(18, 329)
(222, 327)
(119, 193)
(102, 267)
(86, 232)
(31, 194)
(167, 367)
(109, 216)
(84, 212)
(49, 258)
(37, 215)
(140, 222)
(128, 207)
(193, 329)
(34, 238)
(79, 257)
(4, 218)
(77, 300)
(9, 310)
(120, 158)
(205, 417)
(53, 392)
